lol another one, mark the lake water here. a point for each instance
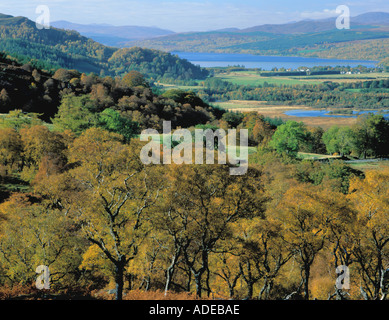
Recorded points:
(208, 60)
(324, 113)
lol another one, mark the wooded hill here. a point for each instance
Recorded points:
(32, 90)
(56, 48)
(316, 38)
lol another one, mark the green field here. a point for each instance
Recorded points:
(339, 77)
(315, 156)
(166, 86)
(364, 166)
(253, 78)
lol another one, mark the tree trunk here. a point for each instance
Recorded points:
(148, 281)
(170, 272)
(169, 277)
(207, 283)
(265, 291)
(129, 281)
(197, 278)
(189, 283)
(119, 279)
(307, 271)
(231, 290)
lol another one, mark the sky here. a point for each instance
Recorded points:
(189, 15)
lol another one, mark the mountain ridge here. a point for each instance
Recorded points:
(314, 38)
(112, 35)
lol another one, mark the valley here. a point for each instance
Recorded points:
(82, 199)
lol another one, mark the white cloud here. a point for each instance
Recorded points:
(326, 13)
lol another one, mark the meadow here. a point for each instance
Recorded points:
(253, 78)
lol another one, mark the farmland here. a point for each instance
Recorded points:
(254, 78)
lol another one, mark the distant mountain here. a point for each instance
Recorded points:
(227, 30)
(315, 38)
(304, 26)
(112, 35)
(373, 18)
(309, 26)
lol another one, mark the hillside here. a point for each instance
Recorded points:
(54, 48)
(154, 63)
(31, 90)
(27, 89)
(302, 38)
(363, 21)
(57, 48)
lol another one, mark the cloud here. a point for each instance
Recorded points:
(326, 13)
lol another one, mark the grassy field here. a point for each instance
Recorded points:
(348, 77)
(166, 86)
(360, 165)
(253, 78)
(315, 156)
(365, 166)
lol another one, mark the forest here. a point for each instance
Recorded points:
(131, 94)
(76, 198)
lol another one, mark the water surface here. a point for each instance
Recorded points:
(325, 113)
(208, 60)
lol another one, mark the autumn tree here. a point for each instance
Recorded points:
(226, 266)
(306, 212)
(116, 191)
(263, 253)
(34, 235)
(11, 147)
(259, 130)
(371, 236)
(134, 79)
(39, 141)
(65, 75)
(206, 200)
(4, 99)
(101, 96)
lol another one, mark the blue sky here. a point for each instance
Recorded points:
(189, 15)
